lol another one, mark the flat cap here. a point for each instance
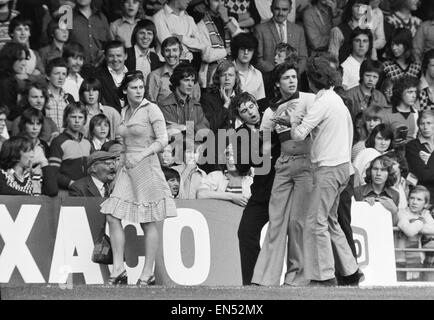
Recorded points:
(100, 156)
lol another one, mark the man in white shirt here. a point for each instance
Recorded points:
(101, 172)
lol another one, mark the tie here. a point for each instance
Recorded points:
(282, 32)
(106, 190)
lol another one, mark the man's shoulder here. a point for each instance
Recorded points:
(168, 101)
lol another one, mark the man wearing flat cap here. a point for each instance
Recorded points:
(101, 172)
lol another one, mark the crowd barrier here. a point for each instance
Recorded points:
(48, 240)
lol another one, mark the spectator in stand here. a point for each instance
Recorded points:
(244, 50)
(403, 113)
(30, 126)
(90, 96)
(140, 55)
(7, 13)
(173, 180)
(424, 39)
(387, 90)
(151, 7)
(419, 152)
(378, 28)
(58, 36)
(57, 70)
(285, 53)
(380, 178)
(20, 30)
(73, 54)
(318, 20)
(180, 106)
(35, 96)
(101, 171)
(122, 28)
(365, 95)
(4, 112)
(245, 12)
(362, 41)
(401, 62)
(173, 21)
(111, 73)
(16, 156)
(400, 167)
(69, 150)
(426, 87)
(99, 131)
(401, 17)
(278, 30)
(379, 141)
(158, 83)
(91, 30)
(264, 9)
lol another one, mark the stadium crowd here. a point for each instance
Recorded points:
(338, 95)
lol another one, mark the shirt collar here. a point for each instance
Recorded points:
(115, 73)
(277, 24)
(80, 135)
(139, 53)
(98, 183)
(125, 20)
(395, 110)
(424, 140)
(368, 189)
(62, 93)
(165, 70)
(168, 11)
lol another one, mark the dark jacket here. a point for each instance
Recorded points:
(109, 91)
(131, 60)
(212, 106)
(84, 187)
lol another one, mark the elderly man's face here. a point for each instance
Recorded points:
(104, 170)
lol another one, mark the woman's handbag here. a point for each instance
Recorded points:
(102, 252)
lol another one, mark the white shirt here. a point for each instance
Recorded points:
(252, 82)
(282, 33)
(117, 78)
(143, 62)
(351, 68)
(72, 86)
(99, 185)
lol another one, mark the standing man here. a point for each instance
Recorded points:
(278, 30)
(329, 121)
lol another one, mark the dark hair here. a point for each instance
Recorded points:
(291, 52)
(357, 32)
(170, 41)
(321, 73)
(72, 107)
(107, 145)
(400, 159)
(28, 116)
(96, 120)
(402, 36)
(10, 153)
(19, 20)
(180, 72)
(53, 25)
(427, 57)
(369, 65)
(114, 44)
(373, 112)
(73, 50)
(90, 84)
(385, 131)
(129, 77)
(236, 102)
(9, 54)
(144, 24)
(280, 70)
(25, 95)
(359, 117)
(244, 41)
(170, 173)
(55, 63)
(347, 15)
(388, 164)
(400, 85)
(222, 67)
(4, 110)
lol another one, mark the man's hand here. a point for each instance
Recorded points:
(370, 200)
(388, 204)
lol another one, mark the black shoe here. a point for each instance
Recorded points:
(146, 283)
(353, 279)
(121, 279)
(323, 283)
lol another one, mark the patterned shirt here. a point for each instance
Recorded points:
(397, 22)
(426, 95)
(56, 106)
(394, 71)
(4, 28)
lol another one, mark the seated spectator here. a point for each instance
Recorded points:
(151, 7)
(400, 167)
(111, 73)
(245, 12)
(264, 9)
(426, 86)
(414, 222)
(7, 13)
(173, 180)
(20, 30)
(365, 95)
(35, 96)
(180, 107)
(158, 83)
(122, 28)
(401, 17)
(419, 152)
(69, 151)
(58, 36)
(90, 96)
(227, 183)
(362, 41)
(101, 171)
(379, 141)
(99, 130)
(403, 113)
(424, 39)
(73, 54)
(191, 175)
(285, 53)
(57, 98)
(140, 55)
(243, 50)
(380, 179)
(30, 126)
(387, 90)
(16, 156)
(400, 61)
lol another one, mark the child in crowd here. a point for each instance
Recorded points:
(285, 53)
(99, 131)
(122, 28)
(58, 37)
(173, 180)
(73, 54)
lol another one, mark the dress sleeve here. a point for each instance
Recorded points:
(158, 123)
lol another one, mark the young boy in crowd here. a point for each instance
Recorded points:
(7, 13)
(58, 37)
(58, 98)
(285, 53)
(173, 180)
(73, 54)
(122, 28)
